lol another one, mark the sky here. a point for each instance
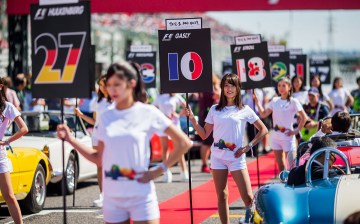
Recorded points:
(308, 30)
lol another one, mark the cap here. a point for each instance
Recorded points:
(313, 91)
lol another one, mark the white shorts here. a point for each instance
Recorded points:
(137, 209)
(4, 161)
(231, 165)
(280, 144)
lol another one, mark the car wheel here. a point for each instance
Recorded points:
(70, 179)
(35, 200)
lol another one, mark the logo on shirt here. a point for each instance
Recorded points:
(225, 145)
(117, 172)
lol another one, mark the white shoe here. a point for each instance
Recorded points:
(167, 178)
(184, 176)
(99, 202)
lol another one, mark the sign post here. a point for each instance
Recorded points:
(61, 56)
(250, 60)
(185, 63)
(146, 58)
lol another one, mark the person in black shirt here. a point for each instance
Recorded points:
(297, 174)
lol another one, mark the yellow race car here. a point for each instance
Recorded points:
(31, 172)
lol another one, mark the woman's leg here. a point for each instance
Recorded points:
(242, 180)
(220, 181)
(99, 174)
(280, 159)
(9, 197)
(164, 146)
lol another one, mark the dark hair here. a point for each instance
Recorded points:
(319, 88)
(341, 122)
(2, 97)
(302, 87)
(322, 120)
(128, 71)
(358, 80)
(99, 93)
(322, 142)
(232, 79)
(287, 81)
(354, 218)
(336, 79)
(19, 81)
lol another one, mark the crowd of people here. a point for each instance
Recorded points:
(221, 118)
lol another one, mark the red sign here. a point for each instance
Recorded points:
(17, 7)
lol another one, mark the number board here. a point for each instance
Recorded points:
(61, 50)
(321, 68)
(147, 62)
(185, 61)
(298, 66)
(279, 65)
(251, 62)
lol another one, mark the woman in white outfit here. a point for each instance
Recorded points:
(9, 113)
(228, 120)
(283, 110)
(98, 105)
(340, 96)
(123, 150)
(167, 103)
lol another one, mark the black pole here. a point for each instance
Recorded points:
(257, 153)
(63, 162)
(76, 121)
(189, 164)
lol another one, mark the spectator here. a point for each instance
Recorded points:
(356, 95)
(20, 84)
(297, 174)
(315, 111)
(340, 96)
(298, 89)
(316, 82)
(11, 95)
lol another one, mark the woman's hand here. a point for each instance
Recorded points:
(63, 132)
(190, 114)
(241, 151)
(3, 143)
(150, 175)
(78, 112)
(254, 96)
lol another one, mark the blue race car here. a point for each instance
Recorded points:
(327, 200)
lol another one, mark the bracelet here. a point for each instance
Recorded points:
(7, 142)
(163, 167)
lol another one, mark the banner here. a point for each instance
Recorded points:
(298, 66)
(185, 61)
(279, 65)
(16, 7)
(147, 62)
(321, 67)
(251, 63)
(61, 51)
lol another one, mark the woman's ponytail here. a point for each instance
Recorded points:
(139, 91)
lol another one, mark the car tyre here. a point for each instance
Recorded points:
(71, 181)
(35, 200)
